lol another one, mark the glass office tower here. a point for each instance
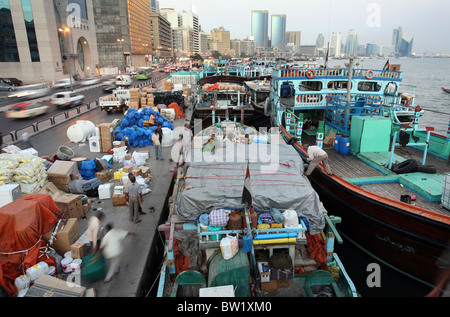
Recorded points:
(279, 31)
(260, 28)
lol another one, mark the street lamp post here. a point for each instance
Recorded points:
(64, 31)
(123, 53)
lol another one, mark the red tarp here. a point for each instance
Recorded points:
(22, 224)
(178, 110)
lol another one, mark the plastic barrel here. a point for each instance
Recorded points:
(94, 267)
(344, 145)
(337, 140)
(212, 229)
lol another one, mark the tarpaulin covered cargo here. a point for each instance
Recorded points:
(215, 180)
(22, 224)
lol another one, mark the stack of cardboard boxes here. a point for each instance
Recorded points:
(62, 172)
(106, 136)
(168, 86)
(134, 98)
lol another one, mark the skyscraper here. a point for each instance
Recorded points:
(320, 42)
(190, 19)
(351, 44)
(294, 37)
(335, 44)
(397, 38)
(223, 38)
(406, 46)
(278, 31)
(260, 28)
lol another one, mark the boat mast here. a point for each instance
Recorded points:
(349, 84)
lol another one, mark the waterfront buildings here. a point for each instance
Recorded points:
(29, 30)
(335, 44)
(278, 31)
(260, 28)
(161, 34)
(293, 39)
(351, 43)
(221, 37)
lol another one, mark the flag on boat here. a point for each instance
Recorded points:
(246, 193)
(386, 66)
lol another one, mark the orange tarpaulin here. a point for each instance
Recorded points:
(22, 224)
(178, 110)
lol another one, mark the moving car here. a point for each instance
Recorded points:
(90, 81)
(27, 110)
(109, 88)
(67, 99)
(6, 87)
(124, 80)
(62, 83)
(11, 81)
(30, 92)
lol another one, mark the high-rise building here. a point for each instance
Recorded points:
(397, 36)
(372, 49)
(154, 6)
(223, 38)
(335, 44)
(278, 30)
(190, 20)
(123, 33)
(29, 30)
(203, 36)
(161, 34)
(351, 43)
(260, 28)
(245, 47)
(171, 16)
(294, 38)
(406, 46)
(320, 41)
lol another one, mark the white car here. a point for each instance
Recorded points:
(67, 99)
(62, 83)
(27, 110)
(90, 81)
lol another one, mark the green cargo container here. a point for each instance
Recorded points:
(235, 271)
(370, 134)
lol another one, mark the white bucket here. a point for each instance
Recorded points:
(68, 254)
(22, 282)
(76, 266)
(65, 263)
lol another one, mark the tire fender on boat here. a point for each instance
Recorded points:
(370, 74)
(405, 167)
(310, 74)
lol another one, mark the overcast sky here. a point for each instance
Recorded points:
(428, 21)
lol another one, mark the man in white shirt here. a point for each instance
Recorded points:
(112, 248)
(93, 231)
(187, 140)
(317, 155)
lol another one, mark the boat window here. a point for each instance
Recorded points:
(391, 88)
(310, 86)
(338, 85)
(369, 86)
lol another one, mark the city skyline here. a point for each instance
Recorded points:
(373, 21)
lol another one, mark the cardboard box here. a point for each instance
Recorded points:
(283, 283)
(78, 250)
(145, 171)
(49, 286)
(137, 172)
(86, 208)
(62, 172)
(104, 175)
(264, 271)
(127, 169)
(70, 205)
(269, 286)
(66, 236)
(119, 200)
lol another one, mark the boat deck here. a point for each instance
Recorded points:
(368, 172)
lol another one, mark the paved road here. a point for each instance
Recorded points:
(91, 94)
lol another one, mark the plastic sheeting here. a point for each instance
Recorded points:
(216, 181)
(22, 224)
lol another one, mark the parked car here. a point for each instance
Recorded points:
(67, 99)
(27, 110)
(11, 81)
(62, 83)
(6, 87)
(90, 81)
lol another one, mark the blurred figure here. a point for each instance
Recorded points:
(93, 231)
(140, 207)
(157, 145)
(442, 288)
(26, 143)
(112, 248)
(187, 141)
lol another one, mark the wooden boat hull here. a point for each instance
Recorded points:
(407, 237)
(221, 79)
(446, 90)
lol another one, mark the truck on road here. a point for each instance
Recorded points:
(118, 101)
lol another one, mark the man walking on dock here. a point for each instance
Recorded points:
(134, 196)
(317, 155)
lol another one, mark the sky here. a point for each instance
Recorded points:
(373, 20)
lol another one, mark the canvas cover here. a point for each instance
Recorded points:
(22, 224)
(216, 180)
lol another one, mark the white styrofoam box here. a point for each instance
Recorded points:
(94, 144)
(118, 190)
(265, 276)
(104, 191)
(217, 291)
(9, 193)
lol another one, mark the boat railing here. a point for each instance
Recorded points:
(339, 111)
(338, 73)
(318, 100)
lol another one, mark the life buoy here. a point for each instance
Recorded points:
(370, 74)
(310, 74)
(252, 68)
